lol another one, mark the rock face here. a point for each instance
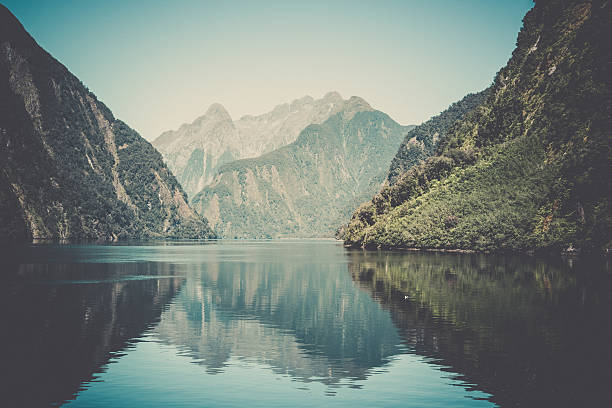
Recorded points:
(530, 167)
(195, 151)
(304, 189)
(70, 170)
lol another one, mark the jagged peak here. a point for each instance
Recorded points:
(332, 96)
(302, 101)
(305, 98)
(356, 103)
(217, 111)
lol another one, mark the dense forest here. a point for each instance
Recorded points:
(529, 168)
(70, 170)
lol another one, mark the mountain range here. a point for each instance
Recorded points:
(523, 165)
(304, 189)
(195, 151)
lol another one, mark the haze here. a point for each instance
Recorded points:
(161, 65)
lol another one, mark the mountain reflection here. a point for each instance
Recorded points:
(302, 319)
(62, 323)
(530, 332)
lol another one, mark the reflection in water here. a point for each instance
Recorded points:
(304, 319)
(530, 332)
(62, 322)
(373, 328)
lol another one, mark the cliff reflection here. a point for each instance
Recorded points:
(530, 332)
(303, 319)
(62, 323)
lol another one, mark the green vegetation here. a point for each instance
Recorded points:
(421, 142)
(306, 188)
(527, 169)
(70, 170)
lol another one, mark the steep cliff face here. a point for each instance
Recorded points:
(70, 170)
(530, 167)
(195, 151)
(306, 188)
(421, 142)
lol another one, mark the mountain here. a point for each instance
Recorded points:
(304, 189)
(421, 142)
(529, 169)
(70, 170)
(195, 151)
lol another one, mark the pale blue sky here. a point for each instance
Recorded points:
(158, 64)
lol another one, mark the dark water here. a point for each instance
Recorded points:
(300, 323)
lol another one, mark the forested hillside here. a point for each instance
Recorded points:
(421, 142)
(527, 169)
(70, 170)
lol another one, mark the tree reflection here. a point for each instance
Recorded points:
(62, 323)
(530, 332)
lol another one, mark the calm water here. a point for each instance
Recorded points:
(300, 323)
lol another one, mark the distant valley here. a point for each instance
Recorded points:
(304, 166)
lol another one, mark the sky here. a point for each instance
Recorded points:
(158, 64)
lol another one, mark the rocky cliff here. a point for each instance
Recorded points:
(70, 170)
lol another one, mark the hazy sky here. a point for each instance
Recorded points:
(158, 64)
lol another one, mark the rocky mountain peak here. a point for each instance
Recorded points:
(196, 150)
(299, 103)
(353, 105)
(217, 112)
(332, 96)
(357, 103)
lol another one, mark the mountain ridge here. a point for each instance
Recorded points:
(68, 165)
(305, 188)
(529, 168)
(195, 151)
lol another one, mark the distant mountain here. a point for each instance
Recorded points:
(528, 169)
(305, 189)
(70, 170)
(195, 151)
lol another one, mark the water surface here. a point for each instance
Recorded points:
(300, 323)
